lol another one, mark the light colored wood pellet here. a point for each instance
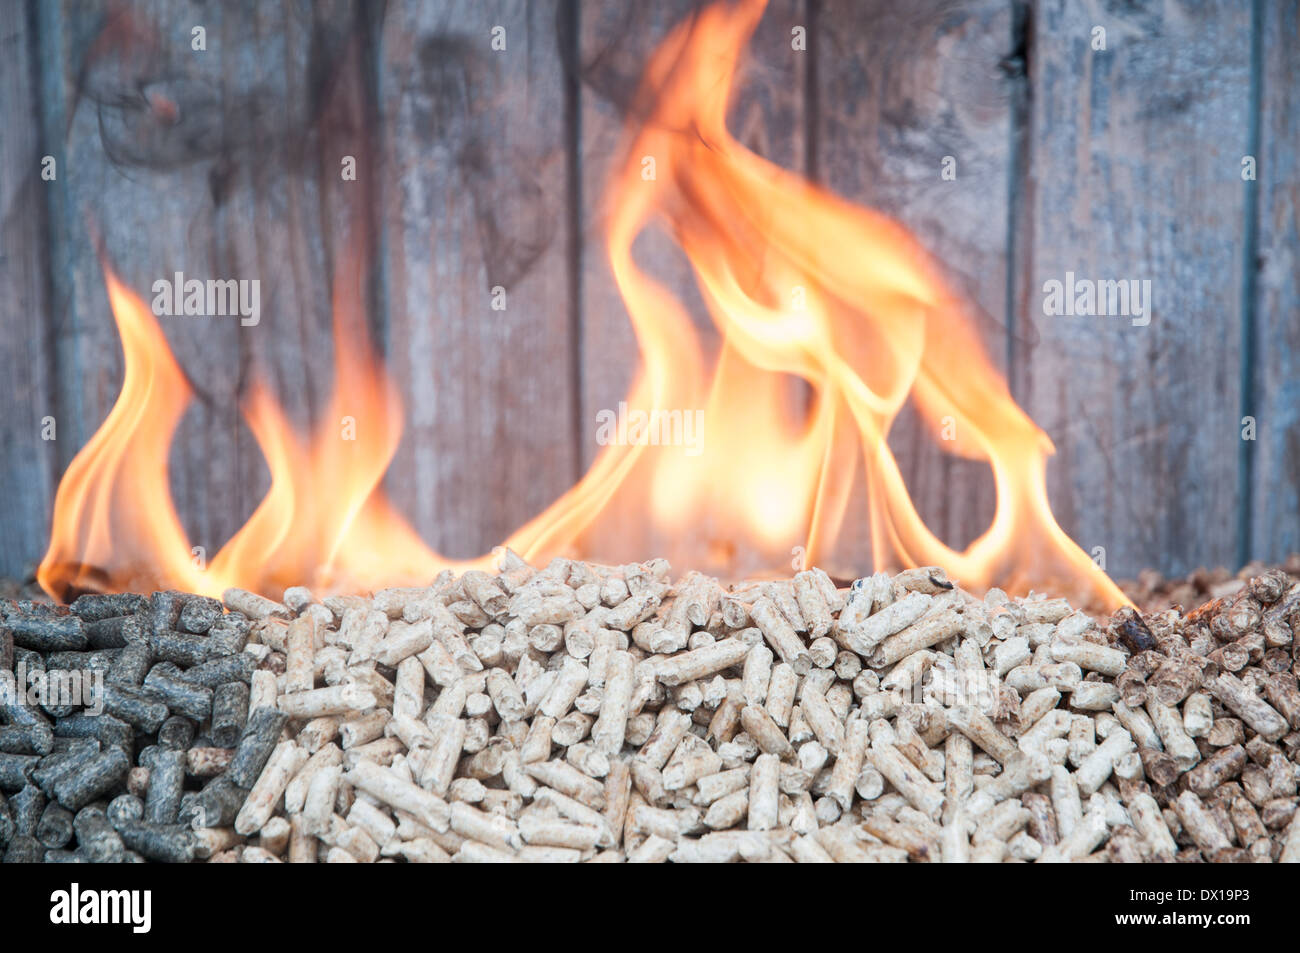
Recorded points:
(608, 714)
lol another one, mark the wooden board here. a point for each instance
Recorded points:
(766, 115)
(1276, 358)
(479, 168)
(210, 163)
(1136, 174)
(901, 87)
(27, 462)
(476, 191)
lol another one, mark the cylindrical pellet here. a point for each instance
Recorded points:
(125, 807)
(179, 648)
(55, 827)
(229, 713)
(134, 707)
(255, 746)
(96, 777)
(183, 698)
(131, 665)
(177, 733)
(166, 776)
(238, 667)
(215, 806)
(165, 843)
(96, 837)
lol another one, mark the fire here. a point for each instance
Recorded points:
(800, 285)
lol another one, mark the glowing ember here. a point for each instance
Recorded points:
(800, 285)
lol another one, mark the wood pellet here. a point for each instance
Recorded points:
(589, 713)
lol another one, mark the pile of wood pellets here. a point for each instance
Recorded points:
(1152, 591)
(581, 712)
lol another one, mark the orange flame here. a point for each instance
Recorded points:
(800, 285)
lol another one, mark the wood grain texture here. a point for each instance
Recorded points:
(615, 43)
(766, 116)
(27, 462)
(902, 86)
(1136, 174)
(226, 163)
(476, 192)
(1276, 489)
(211, 163)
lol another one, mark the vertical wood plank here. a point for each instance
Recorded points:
(476, 167)
(1136, 174)
(902, 87)
(1276, 489)
(212, 163)
(27, 462)
(766, 116)
(615, 43)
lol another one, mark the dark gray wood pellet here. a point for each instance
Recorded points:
(131, 665)
(24, 849)
(94, 660)
(183, 698)
(229, 635)
(110, 730)
(166, 776)
(20, 714)
(200, 614)
(26, 739)
(55, 826)
(125, 807)
(95, 607)
(166, 670)
(112, 633)
(96, 777)
(134, 707)
(97, 838)
(255, 745)
(218, 671)
(51, 633)
(179, 648)
(62, 761)
(65, 857)
(27, 806)
(165, 610)
(29, 659)
(135, 628)
(177, 732)
(6, 649)
(215, 806)
(229, 713)
(16, 770)
(7, 826)
(166, 843)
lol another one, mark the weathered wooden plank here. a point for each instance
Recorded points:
(904, 89)
(1136, 154)
(615, 43)
(214, 163)
(766, 115)
(475, 141)
(26, 460)
(1276, 487)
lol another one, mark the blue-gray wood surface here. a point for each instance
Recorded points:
(480, 168)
